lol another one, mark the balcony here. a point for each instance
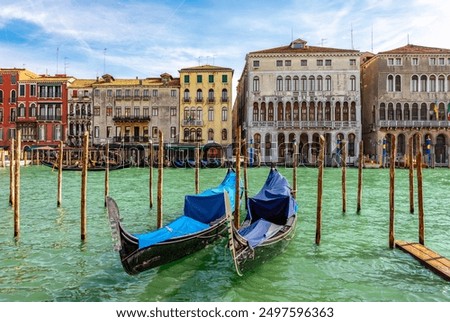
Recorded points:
(414, 124)
(49, 117)
(131, 119)
(306, 124)
(130, 139)
(192, 123)
(224, 99)
(199, 99)
(186, 100)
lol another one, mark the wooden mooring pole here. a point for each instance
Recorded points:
(150, 172)
(106, 171)
(360, 176)
(245, 171)
(84, 166)
(294, 170)
(17, 185)
(320, 189)
(391, 192)
(12, 162)
(411, 174)
(197, 166)
(159, 207)
(60, 165)
(344, 176)
(237, 219)
(420, 199)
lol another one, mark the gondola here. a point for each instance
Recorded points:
(268, 227)
(202, 222)
(90, 167)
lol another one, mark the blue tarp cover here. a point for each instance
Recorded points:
(259, 231)
(274, 202)
(199, 211)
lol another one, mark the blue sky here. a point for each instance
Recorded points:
(130, 38)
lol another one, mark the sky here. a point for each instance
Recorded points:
(145, 38)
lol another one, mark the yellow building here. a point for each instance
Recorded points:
(206, 108)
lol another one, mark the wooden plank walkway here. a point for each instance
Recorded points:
(430, 259)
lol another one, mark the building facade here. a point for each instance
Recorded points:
(206, 109)
(79, 111)
(296, 93)
(406, 94)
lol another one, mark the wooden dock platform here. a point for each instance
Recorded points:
(430, 259)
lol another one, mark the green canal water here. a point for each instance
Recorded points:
(353, 262)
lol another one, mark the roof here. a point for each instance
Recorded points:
(415, 49)
(300, 46)
(24, 74)
(155, 81)
(82, 83)
(205, 68)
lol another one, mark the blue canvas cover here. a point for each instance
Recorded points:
(259, 231)
(199, 211)
(274, 202)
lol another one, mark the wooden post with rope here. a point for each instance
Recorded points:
(12, 162)
(60, 165)
(411, 174)
(320, 189)
(294, 170)
(344, 175)
(159, 207)
(150, 172)
(106, 171)
(360, 176)
(391, 192)
(84, 166)
(237, 219)
(17, 185)
(197, 166)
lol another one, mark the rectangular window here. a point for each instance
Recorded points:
(199, 78)
(287, 63)
(211, 78)
(390, 61)
(154, 111)
(96, 131)
(173, 93)
(319, 62)
(97, 93)
(146, 111)
(109, 93)
(279, 63)
(224, 78)
(173, 111)
(118, 112)
(186, 79)
(256, 63)
(32, 90)
(13, 79)
(118, 93)
(22, 90)
(109, 111)
(145, 93)
(1, 133)
(154, 131)
(211, 114)
(441, 61)
(173, 132)
(432, 61)
(97, 110)
(136, 112)
(108, 131)
(303, 62)
(415, 61)
(136, 93)
(398, 61)
(352, 62)
(327, 62)
(155, 93)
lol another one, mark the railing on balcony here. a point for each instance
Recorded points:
(306, 124)
(49, 117)
(416, 124)
(130, 139)
(224, 99)
(187, 100)
(192, 123)
(131, 119)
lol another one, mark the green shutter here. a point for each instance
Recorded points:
(186, 79)
(224, 78)
(211, 78)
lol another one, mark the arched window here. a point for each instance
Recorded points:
(327, 111)
(390, 112)
(441, 112)
(441, 83)
(415, 112)
(398, 83)
(353, 112)
(32, 110)
(398, 112)
(199, 134)
(423, 112)
(224, 114)
(352, 83)
(382, 111)
(186, 96)
(337, 112)
(210, 135)
(406, 113)
(224, 135)
(224, 95)
(256, 84)
(415, 83)
(296, 112)
(268, 144)
(1, 96)
(319, 111)
(288, 115)
(288, 83)
(263, 112)
(211, 114)
(345, 112)
(199, 115)
(312, 111)
(13, 96)
(279, 83)
(432, 83)
(186, 134)
(296, 83)
(270, 112)
(390, 83)
(423, 83)
(21, 111)
(328, 83)
(351, 145)
(211, 95)
(304, 83)
(319, 83)
(255, 112)
(280, 111)
(304, 114)
(312, 83)
(199, 96)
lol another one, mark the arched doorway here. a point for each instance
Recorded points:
(281, 148)
(440, 149)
